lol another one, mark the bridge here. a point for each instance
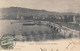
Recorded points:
(52, 25)
(63, 29)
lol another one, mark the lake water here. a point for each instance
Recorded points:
(18, 28)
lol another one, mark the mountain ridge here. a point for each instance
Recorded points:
(13, 11)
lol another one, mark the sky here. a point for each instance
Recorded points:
(49, 5)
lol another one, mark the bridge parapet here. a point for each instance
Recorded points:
(67, 32)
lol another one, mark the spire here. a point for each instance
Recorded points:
(74, 20)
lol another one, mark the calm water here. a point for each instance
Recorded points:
(18, 28)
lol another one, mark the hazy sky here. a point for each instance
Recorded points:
(50, 5)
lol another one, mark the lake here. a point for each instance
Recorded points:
(18, 28)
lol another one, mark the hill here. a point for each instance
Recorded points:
(28, 12)
(13, 12)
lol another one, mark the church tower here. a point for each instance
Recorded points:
(74, 19)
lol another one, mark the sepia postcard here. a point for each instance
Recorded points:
(39, 25)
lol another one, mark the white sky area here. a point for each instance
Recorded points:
(49, 5)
